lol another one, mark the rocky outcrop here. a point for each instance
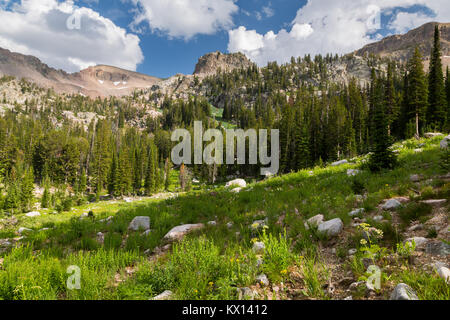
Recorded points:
(403, 292)
(211, 63)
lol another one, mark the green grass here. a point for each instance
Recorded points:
(213, 262)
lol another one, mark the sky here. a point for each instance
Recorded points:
(165, 37)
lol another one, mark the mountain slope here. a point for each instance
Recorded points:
(401, 47)
(93, 81)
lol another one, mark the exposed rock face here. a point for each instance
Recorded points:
(211, 63)
(401, 47)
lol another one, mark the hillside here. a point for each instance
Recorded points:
(250, 244)
(401, 47)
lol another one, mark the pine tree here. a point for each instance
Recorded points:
(45, 201)
(390, 99)
(167, 169)
(436, 112)
(447, 89)
(26, 189)
(417, 92)
(382, 157)
(152, 170)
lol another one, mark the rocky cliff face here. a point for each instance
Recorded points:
(213, 62)
(401, 47)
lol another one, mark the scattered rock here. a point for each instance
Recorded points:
(138, 223)
(353, 172)
(356, 212)
(378, 218)
(438, 248)
(339, 163)
(415, 178)
(419, 241)
(444, 142)
(314, 221)
(403, 292)
(230, 225)
(238, 183)
(33, 214)
(100, 238)
(418, 150)
(259, 263)
(179, 232)
(391, 205)
(166, 295)
(259, 224)
(259, 247)
(146, 233)
(24, 230)
(430, 135)
(236, 190)
(246, 293)
(415, 227)
(348, 298)
(212, 223)
(331, 228)
(351, 252)
(444, 273)
(262, 280)
(435, 203)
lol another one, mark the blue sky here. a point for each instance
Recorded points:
(165, 57)
(165, 37)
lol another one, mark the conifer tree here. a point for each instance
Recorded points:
(382, 157)
(417, 92)
(436, 112)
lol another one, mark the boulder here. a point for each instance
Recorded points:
(352, 252)
(430, 135)
(212, 223)
(339, 163)
(33, 214)
(237, 183)
(166, 295)
(444, 273)
(403, 292)
(236, 190)
(378, 218)
(139, 223)
(437, 248)
(415, 178)
(245, 293)
(178, 233)
(100, 238)
(391, 205)
(444, 142)
(356, 212)
(352, 172)
(259, 247)
(262, 280)
(435, 203)
(419, 241)
(331, 228)
(24, 230)
(314, 221)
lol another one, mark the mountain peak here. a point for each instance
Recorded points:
(212, 62)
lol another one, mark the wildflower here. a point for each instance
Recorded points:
(283, 271)
(254, 240)
(211, 284)
(363, 242)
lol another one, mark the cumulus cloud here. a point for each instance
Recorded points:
(186, 18)
(330, 26)
(39, 28)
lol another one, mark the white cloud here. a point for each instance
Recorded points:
(186, 18)
(38, 28)
(330, 26)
